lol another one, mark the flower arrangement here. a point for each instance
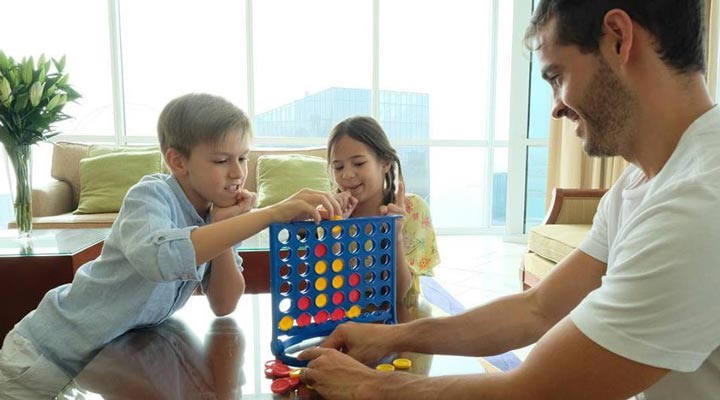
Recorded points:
(32, 97)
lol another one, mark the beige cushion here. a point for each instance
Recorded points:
(66, 165)
(70, 220)
(555, 242)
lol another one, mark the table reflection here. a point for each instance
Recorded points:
(195, 355)
(167, 362)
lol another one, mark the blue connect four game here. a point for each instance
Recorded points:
(324, 275)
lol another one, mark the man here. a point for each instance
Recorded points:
(634, 309)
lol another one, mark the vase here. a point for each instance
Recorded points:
(21, 158)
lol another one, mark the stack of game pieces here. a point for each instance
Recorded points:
(285, 379)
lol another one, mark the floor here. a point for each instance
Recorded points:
(478, 269)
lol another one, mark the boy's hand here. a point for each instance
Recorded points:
(307, 204)
(245, 200)
(347, 205)
(397, 208)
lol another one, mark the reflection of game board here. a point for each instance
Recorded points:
(324, 275)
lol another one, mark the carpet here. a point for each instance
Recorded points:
(444, 303)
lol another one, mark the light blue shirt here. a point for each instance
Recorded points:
(145, 273)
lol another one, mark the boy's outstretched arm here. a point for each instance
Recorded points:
(211, 240)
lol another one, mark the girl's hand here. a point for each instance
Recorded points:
(308, 204)
(347, 205)
(397, 208)
(245, 200)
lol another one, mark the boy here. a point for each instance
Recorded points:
(173, 233)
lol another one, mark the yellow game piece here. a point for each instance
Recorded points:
(320, 284)
(354, 311)
(321, 300)
(338, 281)
(336, 217)
(338, 265)
(385, 367)
(402, 363)
(295, 372)
(286, 323)
(320, 267)
(336, 231)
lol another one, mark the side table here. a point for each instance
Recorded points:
(50, 260)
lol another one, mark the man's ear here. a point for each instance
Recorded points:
(618, 35)
(176, 162)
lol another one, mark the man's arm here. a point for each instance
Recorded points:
(565, 364)
(505, 324)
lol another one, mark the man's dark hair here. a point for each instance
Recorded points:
(677, 26)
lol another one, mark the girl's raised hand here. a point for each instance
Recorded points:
(396, 208)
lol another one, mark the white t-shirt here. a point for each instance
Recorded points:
(659, 302)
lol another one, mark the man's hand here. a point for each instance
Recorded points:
(336, 376)
(245, 200)
(366, 343)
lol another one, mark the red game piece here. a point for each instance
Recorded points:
(321, 316)
(354, 295)
(320, 250)
(338, 314)
(276, 369)
(338, 298)
(303, 303)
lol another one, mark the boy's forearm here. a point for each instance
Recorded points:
(210, 240)
(226, 283)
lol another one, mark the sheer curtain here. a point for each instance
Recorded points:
(570, 167)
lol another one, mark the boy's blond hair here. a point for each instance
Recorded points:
(197, 118)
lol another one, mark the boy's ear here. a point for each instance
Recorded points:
(176, 162)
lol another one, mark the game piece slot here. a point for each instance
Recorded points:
(369, 277)
(353, 230)
(285, 305)
(384, 291)
(285, 288)
(384, 227)
(353, 247)
(283, 236)
(369, 245)
(385, 244)
(303, 268)
(284, 253)
(354, 262)
(385, 275)
(337, 248)
(301, 235)
(320, 233)
(385, 259)
(285, 271)
(302, 252)
(369, 261)
(369, 229)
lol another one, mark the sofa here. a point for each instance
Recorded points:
(53, 203)
(568, 220)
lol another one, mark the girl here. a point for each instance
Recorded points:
(365, 164)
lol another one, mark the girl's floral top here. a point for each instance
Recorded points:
(421, 251)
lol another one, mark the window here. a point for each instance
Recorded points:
(437, 75)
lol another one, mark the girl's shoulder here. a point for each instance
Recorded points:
(414, 202)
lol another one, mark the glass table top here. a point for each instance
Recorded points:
(47, 242)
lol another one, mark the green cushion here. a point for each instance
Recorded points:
(105, 179)
(279, 176)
